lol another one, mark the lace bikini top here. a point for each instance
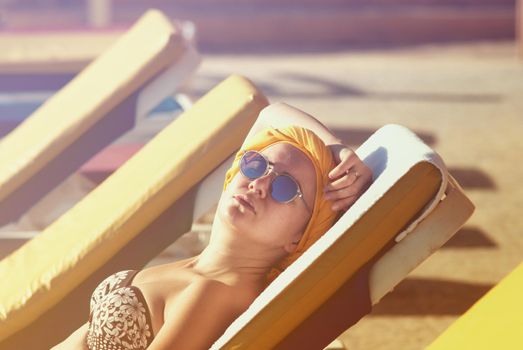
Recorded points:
(119, 318)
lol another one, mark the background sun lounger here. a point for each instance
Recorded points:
(106, 99)
(47, 60)
(494, 322)
(126, 221)
(410, 210)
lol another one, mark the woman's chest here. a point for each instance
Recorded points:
(160, 289)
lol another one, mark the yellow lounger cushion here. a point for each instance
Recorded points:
(410, 181)
(494, 322)
(140, 54)
(45, 269)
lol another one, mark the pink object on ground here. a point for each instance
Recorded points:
(105, 162)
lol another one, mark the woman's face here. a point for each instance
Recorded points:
(248, 208)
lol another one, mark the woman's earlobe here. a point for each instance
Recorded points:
(291, 247)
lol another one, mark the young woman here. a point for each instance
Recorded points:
(287, 185)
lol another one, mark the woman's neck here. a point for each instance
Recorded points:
(229, 256)
(217, 261)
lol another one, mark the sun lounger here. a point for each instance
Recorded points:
(126, 221)
(413, 207)
(106, 99)
(494, 322)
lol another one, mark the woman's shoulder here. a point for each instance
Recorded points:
(164, 272)
(220, 290)
(234, 297)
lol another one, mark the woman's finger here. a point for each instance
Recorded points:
(344, 192)
(348, 179)
(348, 159)
(349, 197)
(339, 170)
(345, 203)
(343, 197)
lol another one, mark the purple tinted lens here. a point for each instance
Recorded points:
(284, 188)
(253, 165)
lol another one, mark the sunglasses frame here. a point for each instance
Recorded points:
(270, 168)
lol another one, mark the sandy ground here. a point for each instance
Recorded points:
(465, 101)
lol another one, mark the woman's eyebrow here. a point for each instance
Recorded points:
(284, 171)
(279, 164)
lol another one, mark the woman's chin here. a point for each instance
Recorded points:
(232, 214)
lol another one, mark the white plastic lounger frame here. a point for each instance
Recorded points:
(167, 83)
(449, 211)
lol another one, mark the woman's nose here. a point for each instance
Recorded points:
(261, 185)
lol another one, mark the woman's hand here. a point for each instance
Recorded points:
(349, 179)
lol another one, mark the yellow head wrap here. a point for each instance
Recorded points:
(320, 155)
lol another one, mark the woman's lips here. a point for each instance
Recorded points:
(245, 202)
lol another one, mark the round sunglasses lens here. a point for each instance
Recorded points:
(284, 188)
(253, 165)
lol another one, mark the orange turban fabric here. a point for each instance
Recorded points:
(321, 157)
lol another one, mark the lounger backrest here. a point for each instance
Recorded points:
(410, 180)
(47, 268)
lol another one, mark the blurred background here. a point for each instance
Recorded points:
(225, 25)
(450, 70)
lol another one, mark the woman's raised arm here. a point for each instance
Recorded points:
(349, 179)
(280, 115)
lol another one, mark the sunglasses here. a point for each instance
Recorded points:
(284, 188)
